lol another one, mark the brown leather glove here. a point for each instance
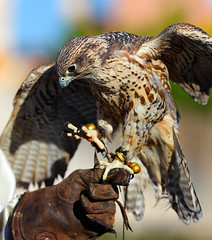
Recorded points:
(80, 207)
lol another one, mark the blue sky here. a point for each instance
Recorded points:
(39, 26)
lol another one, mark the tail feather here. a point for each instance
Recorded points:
(180, 189)
(163, 164)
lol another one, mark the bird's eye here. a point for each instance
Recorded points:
(72, 68)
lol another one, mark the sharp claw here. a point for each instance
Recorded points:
(95, 165)
(114, 164)
(105, 152)
(88, 132)
(63, 133)
(131, 176)
(65, 129)
(65, 126)
(118, 161)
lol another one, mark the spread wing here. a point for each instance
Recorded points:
(187, 52)
(32, 140)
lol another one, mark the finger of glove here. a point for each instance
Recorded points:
(119, 177)
(102, 192)
(98, 207)
(106, 219)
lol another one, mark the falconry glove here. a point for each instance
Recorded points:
(80, 207)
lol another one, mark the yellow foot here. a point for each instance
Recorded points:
(118, 162)
(88, 132)
(115, 164)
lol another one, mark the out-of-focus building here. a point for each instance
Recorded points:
(153, 14)
(137, 15)
(11, 68)
(17, 55)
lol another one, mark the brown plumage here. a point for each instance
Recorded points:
(32, 139)
(129, 79)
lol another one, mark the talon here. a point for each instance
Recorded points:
(116, 163)
(88, 132)
(92, 135)
(95, 165)
(131, 176)
(105, 152)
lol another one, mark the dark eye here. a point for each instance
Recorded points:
(72, 68)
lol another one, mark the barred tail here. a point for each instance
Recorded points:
(180, 189)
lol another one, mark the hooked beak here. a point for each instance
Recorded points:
(64, 81)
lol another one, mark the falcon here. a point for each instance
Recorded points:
(114, 80)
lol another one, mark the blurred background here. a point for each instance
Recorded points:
(32, 32)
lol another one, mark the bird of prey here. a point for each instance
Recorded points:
(115, 79)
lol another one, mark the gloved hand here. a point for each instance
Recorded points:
(80, 207)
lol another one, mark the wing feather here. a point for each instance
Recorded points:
(32, 140)
(187, 52)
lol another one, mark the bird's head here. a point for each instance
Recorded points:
(80, 58)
